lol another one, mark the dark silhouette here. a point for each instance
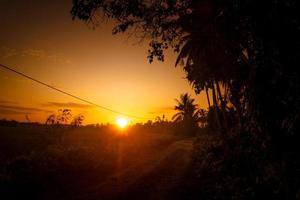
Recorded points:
(97, 158)
(246, 55)
(187, 114)
(62, 117)
(51, 119)
(77, 120)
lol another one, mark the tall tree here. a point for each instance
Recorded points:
(250, 47)
(187, 110)
(187, 114)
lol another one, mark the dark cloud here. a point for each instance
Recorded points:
(21, 109)
(161, 110)
(67, 105)
(39, 54)
(8, 102)
(6, 52)
(12, 112)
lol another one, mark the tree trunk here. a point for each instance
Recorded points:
(219, 93)
(223, 107)
(216, 110)
(207, 96)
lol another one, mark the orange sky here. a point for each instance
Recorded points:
(40, 39)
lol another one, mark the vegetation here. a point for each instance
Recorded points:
(63, 117)
(187, 115)
(244, 55)
(90, 162)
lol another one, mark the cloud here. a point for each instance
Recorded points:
(12, 112)
(67, 105)
(6, 52)
(161, 110)
(7, 102)
(19, 109)
(38, 54)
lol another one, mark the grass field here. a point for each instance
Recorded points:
(43, 162)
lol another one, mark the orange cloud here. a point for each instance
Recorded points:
(67, 105)
(38, 54)
(161, 110)
(11, 109)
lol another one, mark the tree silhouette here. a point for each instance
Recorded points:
(51, 119)
(187, 109)
(250, 52)
(77, 120)
(160, 119)
(187, 113)
(246, 53)
(205, 54)
(62, 117)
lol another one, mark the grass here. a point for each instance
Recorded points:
(42, 162)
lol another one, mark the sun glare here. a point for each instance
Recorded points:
(122, 122)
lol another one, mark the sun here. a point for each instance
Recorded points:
(122, 122)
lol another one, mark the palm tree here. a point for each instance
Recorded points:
(187, 110)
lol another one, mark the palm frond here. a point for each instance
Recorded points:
(185, 51)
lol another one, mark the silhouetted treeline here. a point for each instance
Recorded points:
(244, 55)
(54, 162)
(5, 122)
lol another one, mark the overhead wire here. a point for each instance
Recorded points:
(71, 95)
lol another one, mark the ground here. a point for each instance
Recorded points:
(92, 163)
(153, 178)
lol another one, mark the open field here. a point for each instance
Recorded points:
(91, 163)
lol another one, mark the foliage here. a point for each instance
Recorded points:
(59, 123)
(161, 119)
(187, 110)
(250, 51)
(87, 158)
(246, 53)
(77, 120)
(63, 116)
(51, 119)
(187, 115)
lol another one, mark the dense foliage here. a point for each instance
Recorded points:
(34, 164)
(187, 114)
(246, 54)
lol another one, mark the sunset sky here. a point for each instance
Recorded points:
(39, 38)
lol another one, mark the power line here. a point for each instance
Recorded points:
(69, 94)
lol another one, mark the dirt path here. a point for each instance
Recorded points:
(153, 177)
(164, 177)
